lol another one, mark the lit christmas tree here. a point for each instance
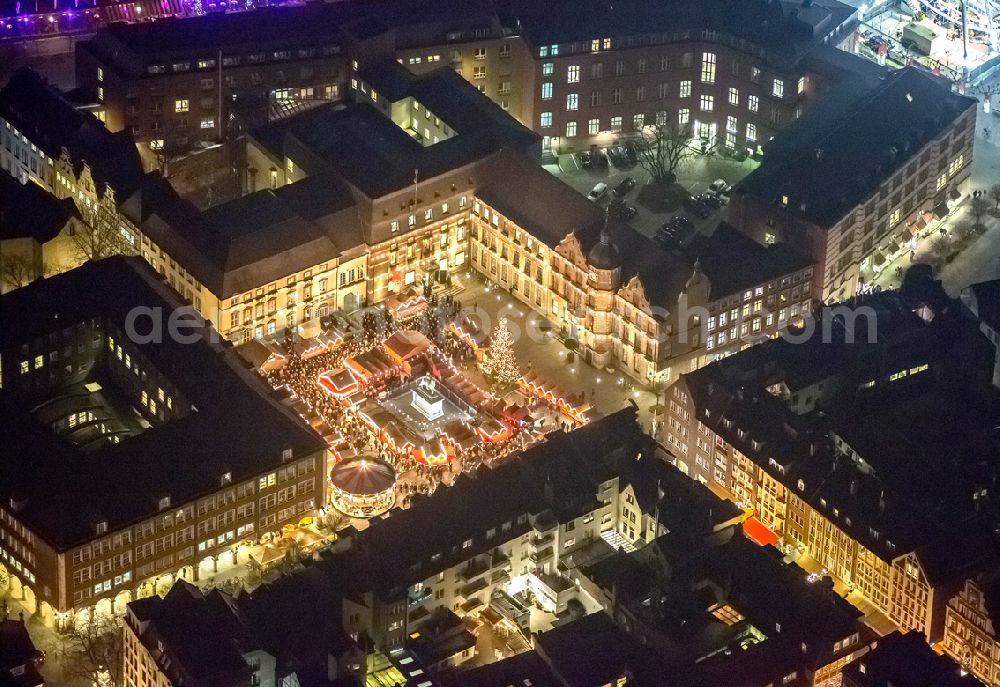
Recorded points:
(501, 365)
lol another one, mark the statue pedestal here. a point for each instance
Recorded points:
(428, 400)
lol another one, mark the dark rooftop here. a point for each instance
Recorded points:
(234, 425)
(593, 651)
(983, 300)
(272, 28)
(734, 262)
(905, 660)
(783, 31)
(18, 653)
(40, 112)
(520, 670)
(890, 496)
(364, 147)
(200, 634)
(255, 239)
(871, 135)
(29, 211)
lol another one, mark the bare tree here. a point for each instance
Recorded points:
(663, 147)
(95, 243)
(16, 271)
(994, 193)
(94, 650)
(979, 207)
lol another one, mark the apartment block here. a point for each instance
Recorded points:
(906, 144)
(576, 74)
(811, 436)
(101, 413)
(604, 71)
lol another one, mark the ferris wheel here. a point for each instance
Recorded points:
(981, 16)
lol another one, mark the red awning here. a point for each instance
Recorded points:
(756, 530)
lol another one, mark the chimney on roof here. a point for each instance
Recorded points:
(18, 502)
(881, 501)
(854, 486)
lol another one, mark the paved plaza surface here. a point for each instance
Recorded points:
(547, 357)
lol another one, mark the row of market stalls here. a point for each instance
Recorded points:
(401, 417)
(570, 408)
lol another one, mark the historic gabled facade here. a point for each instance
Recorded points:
(971, 633)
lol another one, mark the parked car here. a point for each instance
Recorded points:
(624, 186)
(631, 153)
(712, 200)
(667, 239)
(598, 158)
(626, 212)
(617, 155)
(697, 206)
(586, 159)
(719, 186)
(599, 191)
(681, 223)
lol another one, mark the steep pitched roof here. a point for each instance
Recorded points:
(27, 210)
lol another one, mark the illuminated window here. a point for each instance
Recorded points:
(593, 126)
(181, 105)
(778, 89)
(708, 67)
(547, 91)
(734, 96)
(570, 129)
(546, 120)
(707, 103)
(573, 74)
(572, 101)
(683, 116)
(685, 89)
